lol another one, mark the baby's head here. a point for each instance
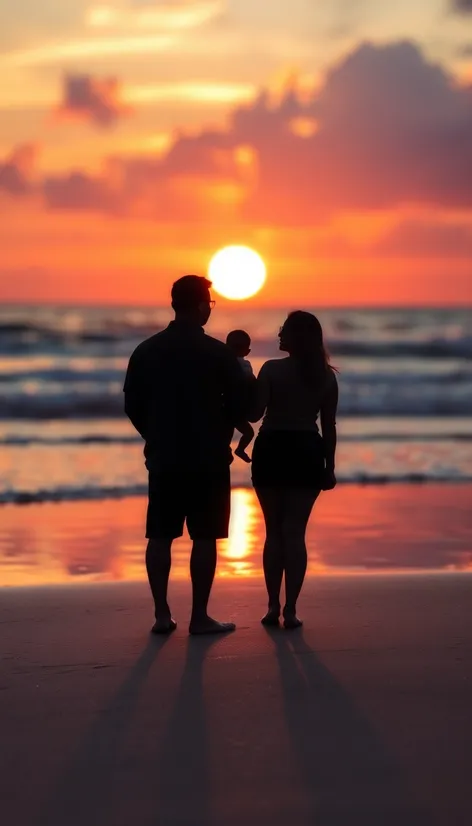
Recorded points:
(240, 343)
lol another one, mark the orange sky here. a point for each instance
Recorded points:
(136, 138)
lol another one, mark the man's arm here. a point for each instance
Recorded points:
(135, 403)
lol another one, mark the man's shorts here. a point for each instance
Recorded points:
(202, 500)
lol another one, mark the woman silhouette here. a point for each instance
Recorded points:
(291, 461)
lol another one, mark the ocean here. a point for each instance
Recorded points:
(405, 396)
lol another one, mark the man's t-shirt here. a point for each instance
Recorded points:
(184, 393)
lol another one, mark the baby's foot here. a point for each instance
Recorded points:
(242, 455)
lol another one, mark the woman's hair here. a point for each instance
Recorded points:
(304, 336)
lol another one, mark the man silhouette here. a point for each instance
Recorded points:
(184, 394)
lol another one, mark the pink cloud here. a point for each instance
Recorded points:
(462, 6)
(17, 169)
(80, 191)
(390, 129)
(94, 99)
(434, 239)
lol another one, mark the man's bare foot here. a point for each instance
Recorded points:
(164, 626)
(243, 455)
(272, 617)
(207, 625)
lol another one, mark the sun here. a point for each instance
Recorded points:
(237, 272)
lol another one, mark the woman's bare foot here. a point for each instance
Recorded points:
(207, 625)
(291, 620)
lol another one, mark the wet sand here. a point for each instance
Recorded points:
(361, 719)
(354, 528)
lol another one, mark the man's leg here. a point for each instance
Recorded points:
(202, 571)
(158, 562)
(165, 522)
(207, 521)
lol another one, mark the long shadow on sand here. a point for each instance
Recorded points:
(182, 765)
(85, 790)
(350, 778)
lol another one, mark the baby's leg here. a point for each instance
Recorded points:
(247, 435)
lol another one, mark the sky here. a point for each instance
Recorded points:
(137, 137)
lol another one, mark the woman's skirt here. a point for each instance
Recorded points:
(288, 459)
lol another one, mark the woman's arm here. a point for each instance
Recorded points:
(328, 423)
(261, 394)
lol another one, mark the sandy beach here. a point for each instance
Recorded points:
(362, 718)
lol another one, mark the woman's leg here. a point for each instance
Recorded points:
(298, 504)
(271, 501)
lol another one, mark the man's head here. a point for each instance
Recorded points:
(191, 299)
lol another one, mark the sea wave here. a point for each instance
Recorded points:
(26, 339)
(13, 440)
(90, 493)
(69, 363)
(364, 399)
(47, 379)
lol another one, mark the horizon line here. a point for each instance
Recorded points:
(227, 304)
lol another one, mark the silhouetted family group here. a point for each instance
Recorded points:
(186, 393)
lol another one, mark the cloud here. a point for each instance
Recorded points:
(462, 6)
(78, 191)
(170, 16)
(387, 129)
(394, 128)
(348, 15)
(424, 236)
(433, 239)
(192, 91)
(17, 169)
(94, 99)
(108, 30)
(87, 49)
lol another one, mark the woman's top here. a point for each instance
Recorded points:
(289, 400)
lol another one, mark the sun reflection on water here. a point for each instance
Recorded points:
(236, 553)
